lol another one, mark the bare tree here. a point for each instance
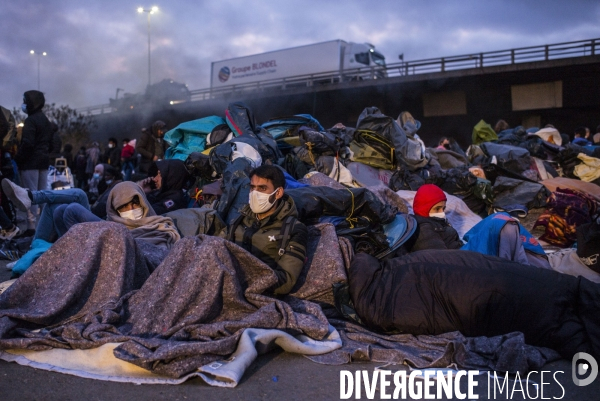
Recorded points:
(74, 127)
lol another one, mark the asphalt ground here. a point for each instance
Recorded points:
(273, 376)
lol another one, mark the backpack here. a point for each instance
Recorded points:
(373, 150)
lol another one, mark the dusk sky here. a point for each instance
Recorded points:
(95, 47)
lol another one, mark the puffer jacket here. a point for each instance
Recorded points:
(262, 239)
(433, 233)
(35, 147)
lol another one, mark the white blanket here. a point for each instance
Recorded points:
(100, 363)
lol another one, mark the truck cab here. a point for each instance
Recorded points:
(362, 61)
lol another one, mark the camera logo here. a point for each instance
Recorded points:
(590, 366)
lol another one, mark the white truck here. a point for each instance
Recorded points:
(331, 61)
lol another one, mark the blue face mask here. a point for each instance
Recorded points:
(96, 176)
(24, 108)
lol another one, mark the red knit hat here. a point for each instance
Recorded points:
(427, 196)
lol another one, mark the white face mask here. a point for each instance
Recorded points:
(440, 215)
(259, 202)
(133, 214)
(110, 145)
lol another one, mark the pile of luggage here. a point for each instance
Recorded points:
(349, 175)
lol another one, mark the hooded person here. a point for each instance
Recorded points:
(127, 205)
(151, 145)
(111, 177)
(433, 230)
(33, 155)
(269, 229)
(165, 185)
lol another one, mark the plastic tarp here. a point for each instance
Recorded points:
(510, 191)
(315, 202)
(483, 132)
(190, 136)
(286, 126)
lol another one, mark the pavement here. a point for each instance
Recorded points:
(273, 376)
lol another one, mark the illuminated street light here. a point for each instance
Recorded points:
(39, 57)
(148, 11)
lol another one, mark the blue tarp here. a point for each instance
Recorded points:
(190, 137)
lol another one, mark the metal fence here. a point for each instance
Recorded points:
(582, 48)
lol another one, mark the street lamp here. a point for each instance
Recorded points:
(39, 57)
(149, 11)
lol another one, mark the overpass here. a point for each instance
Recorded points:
(531, 86)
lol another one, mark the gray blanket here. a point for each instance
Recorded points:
(96, 286)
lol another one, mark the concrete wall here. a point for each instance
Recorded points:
(486, 93)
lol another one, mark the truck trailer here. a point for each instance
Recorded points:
(331, 61)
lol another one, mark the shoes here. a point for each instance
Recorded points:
(17, 195)
(10, 265)
(30, 232)
(9, 234)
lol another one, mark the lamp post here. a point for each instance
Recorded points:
(148, 11)
(39, 57)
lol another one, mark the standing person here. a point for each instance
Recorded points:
(67, 153)
(127, 159)
(92, 158)
(33, 154)
(112, 154)
(80, 166)
(151, 146)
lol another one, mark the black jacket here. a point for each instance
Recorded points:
(36, 138)
(112, 157)
(171, 195)
(433, 233)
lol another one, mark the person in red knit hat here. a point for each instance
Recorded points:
(433, 230)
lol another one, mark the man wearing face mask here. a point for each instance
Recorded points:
(269, 229)
(33, 155)
(112, 154)
(112, 177)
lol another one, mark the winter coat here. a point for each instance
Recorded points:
(433, 233)
(435, 292)
(262, 239)
(93, 158)
(112, 157)
(149, 146)
(171, 194)
(37, 134)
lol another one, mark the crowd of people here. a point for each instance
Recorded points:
(262, 202)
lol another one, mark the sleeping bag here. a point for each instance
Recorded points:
(440, 291)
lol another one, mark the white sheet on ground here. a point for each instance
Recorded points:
(100, 363)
